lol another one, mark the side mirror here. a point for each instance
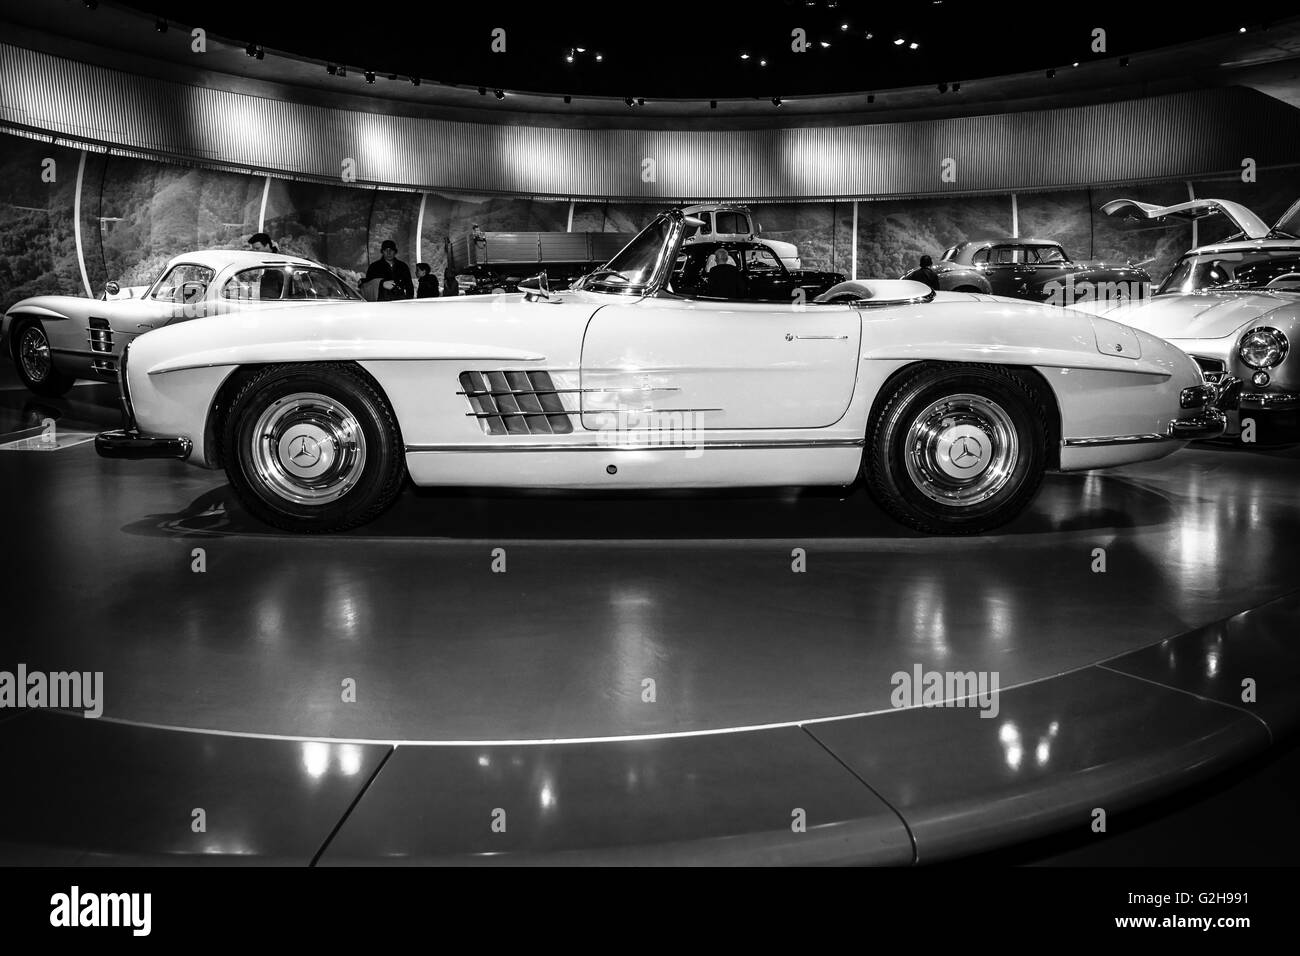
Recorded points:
(535, 288)
(111, 288)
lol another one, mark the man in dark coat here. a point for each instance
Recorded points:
(426, 283)
(393, 274)
(724, 279)
(925, 273)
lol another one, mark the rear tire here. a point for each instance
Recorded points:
(957, 449)
(313, 448)
(35, 362)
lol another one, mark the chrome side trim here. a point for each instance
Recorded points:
(738, 444)
(1113, 440)
(572, 391)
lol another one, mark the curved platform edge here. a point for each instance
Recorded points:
(911, 786)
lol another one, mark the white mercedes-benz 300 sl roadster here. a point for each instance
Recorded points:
(949, 406)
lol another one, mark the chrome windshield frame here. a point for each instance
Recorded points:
(658, 279)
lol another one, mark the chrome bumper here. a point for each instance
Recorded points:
(1211, 423)
(131, 445)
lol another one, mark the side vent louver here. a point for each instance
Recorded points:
(516, 403)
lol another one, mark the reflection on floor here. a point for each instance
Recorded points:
(563, 687)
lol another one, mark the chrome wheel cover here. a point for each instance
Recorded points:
(308, 449)
(961, 450)
(34, 354)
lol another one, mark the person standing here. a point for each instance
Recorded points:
(925, 273)
(261, 242)
(392, 274)
(426, 283)
(449, 284)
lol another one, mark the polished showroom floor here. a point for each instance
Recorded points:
(647, 679)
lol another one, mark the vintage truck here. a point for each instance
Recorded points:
(498, 261)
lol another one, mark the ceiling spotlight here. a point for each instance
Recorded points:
(331, 69)
(869, 35)
(956, 87)
(713, 104)
(640, 101)
(844, 26)
(343, 70)
(1241, 30)
(568, 99)
(370, 76)
(943, 87)
(1051, 72)
(568, 57)
(776, 101)
(628, 100)
(744, 56)
(160, 25)
(91, 4)
(499, 94)
(1075, 63)
(392, 76)
(415, 81)
(581, 49)
(899, 41)
(762, 62)
(871, 97)
(913, 45)
(251, 49)
(824, 44)
(600, 58)
(482, 91)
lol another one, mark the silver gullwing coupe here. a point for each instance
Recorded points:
(56, 339)
(1234, 306)
(949, 406)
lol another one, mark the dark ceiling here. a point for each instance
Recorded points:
(694, 50)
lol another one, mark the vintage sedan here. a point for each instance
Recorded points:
(762, 277)
(56, 339)
(1038, 270)
(950, 407)
(1234, 306)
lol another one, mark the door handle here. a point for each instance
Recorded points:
(790, 337)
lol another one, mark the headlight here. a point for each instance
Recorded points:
(1263, 348)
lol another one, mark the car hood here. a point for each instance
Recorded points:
(1197, 315)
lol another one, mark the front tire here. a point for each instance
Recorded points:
(957, 449)
(313, 448)
(34, 360)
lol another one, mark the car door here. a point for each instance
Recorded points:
(1006, 271)
(669, 362)
(1044, 265)
(766, 279)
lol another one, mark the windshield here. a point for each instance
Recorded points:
(634, 266)
(1276, 269)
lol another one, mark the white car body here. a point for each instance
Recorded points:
(663, 391)
(86, 337)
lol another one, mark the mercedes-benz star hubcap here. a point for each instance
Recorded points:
(34, 353)
(308, 448)
(962, 450)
